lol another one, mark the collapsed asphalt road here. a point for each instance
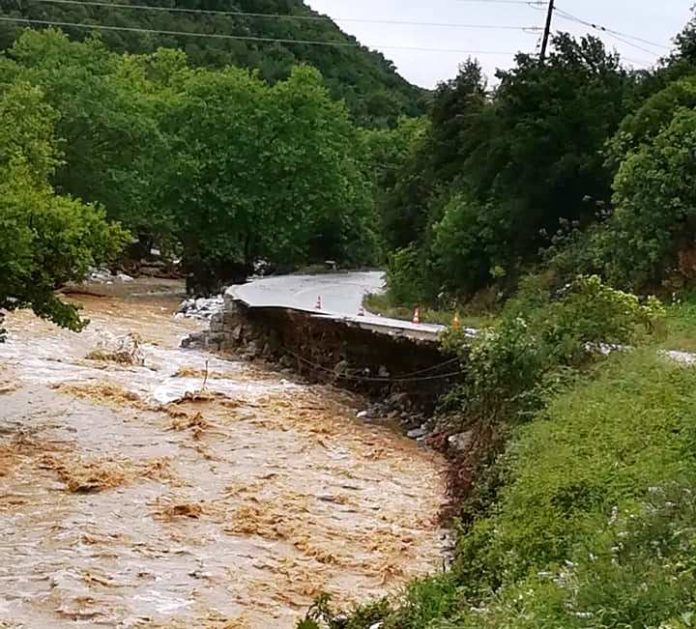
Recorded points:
(333, 295)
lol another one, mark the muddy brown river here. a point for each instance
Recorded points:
(191, 490)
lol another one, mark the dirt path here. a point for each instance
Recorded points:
(234, 509)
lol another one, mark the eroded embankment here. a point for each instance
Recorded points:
(125, 502)
(358, 355)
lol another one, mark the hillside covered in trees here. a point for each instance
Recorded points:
(375, 93)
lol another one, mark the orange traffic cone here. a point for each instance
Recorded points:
(318, 304)
(416, 315)
(456, 322)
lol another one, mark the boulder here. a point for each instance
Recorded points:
(417, 433)
(461, 441)
(195, 339)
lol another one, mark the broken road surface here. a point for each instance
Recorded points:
(333, 295)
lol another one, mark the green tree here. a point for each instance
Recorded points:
(499, 170)
(45, 239)
(653, 115)
(437, 160)
(272, 172)
(542, 155)
(686, 44)
(652, 233)
(114, 151)
(389, 151)
(469, 244)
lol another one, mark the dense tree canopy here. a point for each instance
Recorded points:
(270, 172)
(649, 239)
(576, 163)
(114, 151)
(215, 165)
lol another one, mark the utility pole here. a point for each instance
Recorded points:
(547, 32)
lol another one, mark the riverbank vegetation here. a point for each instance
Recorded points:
(567, 195)
(46, 238)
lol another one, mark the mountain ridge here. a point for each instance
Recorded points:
(370, 84)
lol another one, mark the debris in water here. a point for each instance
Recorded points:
(181, 511)
(126, 350)
(8, 387)
(83, 608)
(192, 372)
(213, 620)
(18, 449)
(300, 583)
(92, 578)
(100, 275)
(102, 393)
(195, 422)
(202, 395)
(88, 476)
(257, 520)
(201, 308)
(94, 475)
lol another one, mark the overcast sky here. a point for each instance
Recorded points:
(653, 20)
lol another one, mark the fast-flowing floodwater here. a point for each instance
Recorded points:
(190, 490)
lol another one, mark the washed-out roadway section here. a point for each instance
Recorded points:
(341, 296)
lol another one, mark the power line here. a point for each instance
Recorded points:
(636, 46)
(527, 2)
(567, 15)
(386, 379)
(622, 37)
(252, 38)
(283, 16)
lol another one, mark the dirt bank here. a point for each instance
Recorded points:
(122, 504)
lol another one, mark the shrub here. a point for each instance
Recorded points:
(468, 246)
(512, 367)
(648, 240)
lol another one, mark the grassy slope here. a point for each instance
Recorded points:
(596, 525)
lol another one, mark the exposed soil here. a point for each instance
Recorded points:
(131, 496)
